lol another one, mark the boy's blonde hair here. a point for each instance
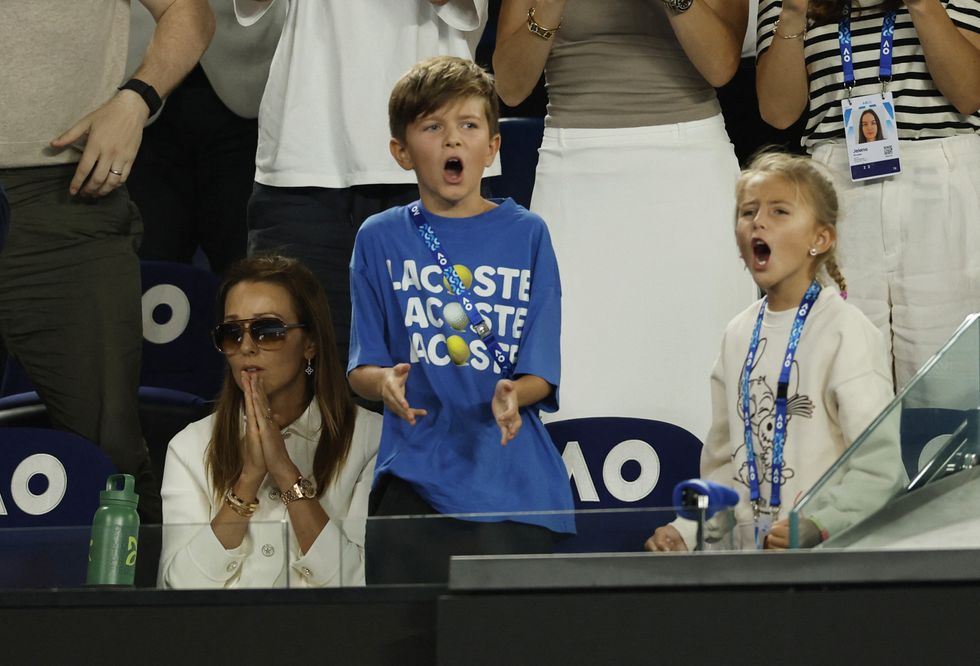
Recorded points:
(434, 82)
(814, 186)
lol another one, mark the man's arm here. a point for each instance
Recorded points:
(184, 29)
(115, 129)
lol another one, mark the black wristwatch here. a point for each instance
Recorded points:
(678, 6)
(146, 91)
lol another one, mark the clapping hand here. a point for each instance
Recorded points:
(262, 434)
(506, 410)
(393, 393)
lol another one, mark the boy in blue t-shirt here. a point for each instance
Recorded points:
(461, 431)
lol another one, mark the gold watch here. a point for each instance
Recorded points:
(302, 489)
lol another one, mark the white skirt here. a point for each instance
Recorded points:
(642, 221)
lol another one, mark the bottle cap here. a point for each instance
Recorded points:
(126, 495)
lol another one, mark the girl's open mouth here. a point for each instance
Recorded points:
(760, 253)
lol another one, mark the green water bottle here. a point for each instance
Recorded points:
(115, 533)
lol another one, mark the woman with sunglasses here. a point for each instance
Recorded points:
(285, 444)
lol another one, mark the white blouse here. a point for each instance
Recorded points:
(192, 556)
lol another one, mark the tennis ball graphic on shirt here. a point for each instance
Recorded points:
(459, 351)
(465, 275)
(455, 316)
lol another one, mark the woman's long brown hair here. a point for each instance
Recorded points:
(822, 12)
(224, 457)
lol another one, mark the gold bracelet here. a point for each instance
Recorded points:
(775, 31)
(536, 29)
(238, 505)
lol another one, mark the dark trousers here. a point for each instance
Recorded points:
(70, 312)
(417, 550)
(317, 225)
(193, 176)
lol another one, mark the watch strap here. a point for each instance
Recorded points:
(295, 492)
(146, 91)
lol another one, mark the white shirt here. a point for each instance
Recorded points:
(840, 381)
(192, 556)
(236, 61)
(323, 121)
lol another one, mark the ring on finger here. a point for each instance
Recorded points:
(114, 172)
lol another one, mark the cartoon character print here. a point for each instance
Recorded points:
(762, 408)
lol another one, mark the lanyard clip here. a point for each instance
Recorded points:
(884, 80)
(481, 329)
(758, 510)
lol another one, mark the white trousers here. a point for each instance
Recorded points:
(642, 221)
(909, 245)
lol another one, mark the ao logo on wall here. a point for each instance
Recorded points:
(626, 468)
(622, 462)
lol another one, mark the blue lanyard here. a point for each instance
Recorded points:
(847, 53)
(477, 323)
(779, 437)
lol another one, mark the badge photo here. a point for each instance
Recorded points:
(872, 136)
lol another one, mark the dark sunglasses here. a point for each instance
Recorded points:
(268, 333)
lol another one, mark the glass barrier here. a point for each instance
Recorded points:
(911, 473)
(58, 557)
(416, 550)
(398, 549)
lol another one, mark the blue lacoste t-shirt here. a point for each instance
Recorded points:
(403, 313)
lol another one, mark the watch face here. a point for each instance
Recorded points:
(306, 488)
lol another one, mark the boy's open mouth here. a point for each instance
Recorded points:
(453, 170)
(760, 252)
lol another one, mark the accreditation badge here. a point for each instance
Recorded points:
(872, 136)
(763, 525)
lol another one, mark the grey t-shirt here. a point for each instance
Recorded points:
(61, 60)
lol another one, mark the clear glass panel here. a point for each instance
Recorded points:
(40, 557)
(912, 469)
(415, 550)
(192, 557)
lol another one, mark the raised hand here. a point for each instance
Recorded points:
(796, 7)
(270, 438)
(506, 410)
(393, 393)
(254, 458)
